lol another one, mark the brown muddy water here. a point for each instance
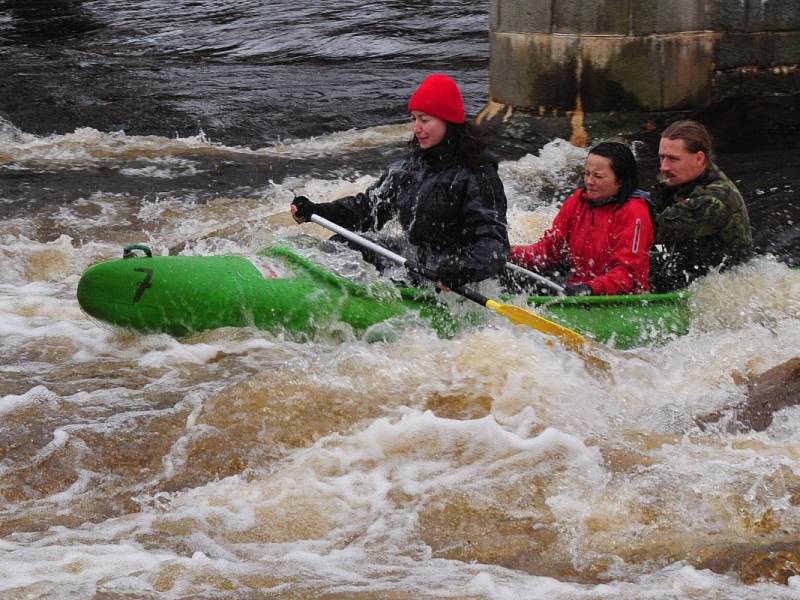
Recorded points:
(241, 464)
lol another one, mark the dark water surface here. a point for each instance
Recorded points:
(245, 72)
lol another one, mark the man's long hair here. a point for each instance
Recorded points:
(694, 135)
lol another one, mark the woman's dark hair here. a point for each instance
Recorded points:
(465, 141)
(623, 164)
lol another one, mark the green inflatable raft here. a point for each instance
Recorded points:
(280, 291)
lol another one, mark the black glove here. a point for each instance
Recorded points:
(448, 269)
(577, 289)
(305, 208)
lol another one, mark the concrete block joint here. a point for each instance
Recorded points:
(606, 55)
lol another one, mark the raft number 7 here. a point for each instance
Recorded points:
(148, 275)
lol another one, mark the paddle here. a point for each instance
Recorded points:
(514, 313)
(540, 278)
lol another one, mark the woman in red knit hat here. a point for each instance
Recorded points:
(446, 194)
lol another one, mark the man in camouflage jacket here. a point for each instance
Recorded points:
(700, 217)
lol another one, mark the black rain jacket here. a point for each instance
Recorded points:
(455, 217)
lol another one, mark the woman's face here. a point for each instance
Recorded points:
(428, 130)
(598, 178)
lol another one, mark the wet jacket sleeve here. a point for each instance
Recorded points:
(366, 211)
(553, 247)
(630, 240)
(485, 246)
(700, 214)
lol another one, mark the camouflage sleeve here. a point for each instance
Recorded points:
(658, 201)
(702, 213)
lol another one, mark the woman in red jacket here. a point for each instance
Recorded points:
(603, 230)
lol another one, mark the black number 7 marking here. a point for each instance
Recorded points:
(148, 275)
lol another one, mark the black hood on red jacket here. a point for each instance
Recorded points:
(621, 198)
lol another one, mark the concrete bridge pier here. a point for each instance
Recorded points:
(573, 58)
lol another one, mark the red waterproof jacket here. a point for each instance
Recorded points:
(607, 244)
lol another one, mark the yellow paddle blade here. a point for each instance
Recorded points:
(520, 316)
(571, 339)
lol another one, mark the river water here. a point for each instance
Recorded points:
(241, 464)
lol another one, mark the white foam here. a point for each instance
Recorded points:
(342, 141)
(557, 167)
(614, 458)
(160, 156)
(36, 395)
(164, 168)
(76, 566)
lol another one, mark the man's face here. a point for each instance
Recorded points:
(677, 164)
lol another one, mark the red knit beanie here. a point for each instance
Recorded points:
(440, 97)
